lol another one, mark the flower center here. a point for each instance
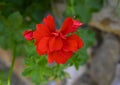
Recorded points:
(59, 34)
(55, 34)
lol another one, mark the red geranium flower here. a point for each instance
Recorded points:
(57, 43)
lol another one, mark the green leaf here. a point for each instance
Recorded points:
(15, 20)
(27, 72)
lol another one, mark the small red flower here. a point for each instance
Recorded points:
(28, 34)
(57, 43)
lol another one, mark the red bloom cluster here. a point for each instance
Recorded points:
(56, 43)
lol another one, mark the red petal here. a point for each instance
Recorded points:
(40, 32)
(49, 22)
(70, 25)
(78, 40)
(42, 46)
(70, 45)
(76, 25)
(28, 34)
(66, 27)
(80, 43)
(59, 57)
(55, 43)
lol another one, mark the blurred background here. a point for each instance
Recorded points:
(99, 60)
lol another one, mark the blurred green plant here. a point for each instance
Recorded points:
(10, 31)
(3, 77)
(38, 68)
(36, 9)
(118, 9)
(30, 12)
(15, 17)
(83, 9)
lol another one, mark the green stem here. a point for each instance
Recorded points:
(72, 7)
(12, 65)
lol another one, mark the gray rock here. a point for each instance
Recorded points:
(116, 80)
(103, 65)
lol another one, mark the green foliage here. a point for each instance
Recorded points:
(10, 32)
(83, 9)
(39, 69)
(34, 9)
(118, 8)
(3, 77)
(16, 18)
(18, 15)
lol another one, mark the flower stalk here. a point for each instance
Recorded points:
(12, 65)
